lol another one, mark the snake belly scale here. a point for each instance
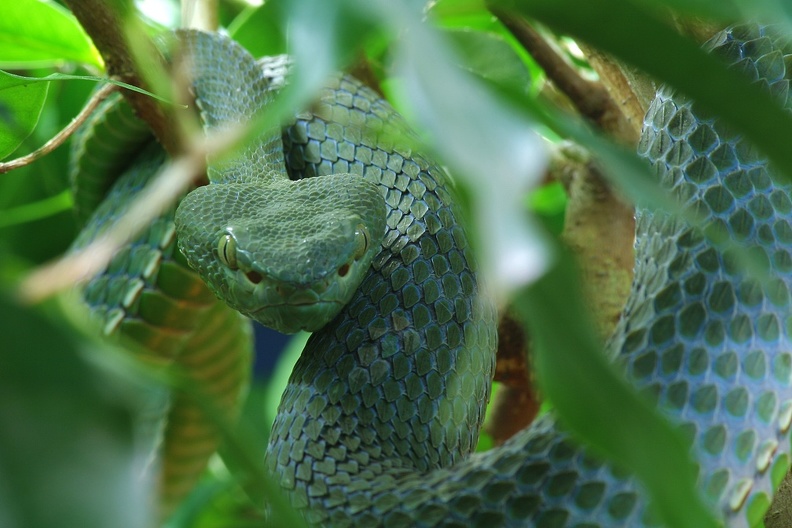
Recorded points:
(383, 408)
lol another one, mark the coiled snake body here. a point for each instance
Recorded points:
(383, 408)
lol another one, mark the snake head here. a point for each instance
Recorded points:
(289, 254)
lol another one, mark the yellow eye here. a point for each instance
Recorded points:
(361, 241)
(226, 250)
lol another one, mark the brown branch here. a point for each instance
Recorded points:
(362, 70)
(517, 401)
(696, 28)
(632, 90)
(200, 14)
(590, 98)
(599, 228)
(103, 21)
(592, 208)
(63, 135)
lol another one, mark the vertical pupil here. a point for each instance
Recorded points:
(226, 250)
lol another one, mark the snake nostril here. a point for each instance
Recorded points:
(343, 270)
(253, 276)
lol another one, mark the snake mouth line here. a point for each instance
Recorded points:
(296, 304)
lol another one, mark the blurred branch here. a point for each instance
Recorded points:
(104, 22)
(200, 14)
(696, 28)
(63, 135)
(598, 225)
(517, 401)
(590, 98)
(362, 70)
(599, 229)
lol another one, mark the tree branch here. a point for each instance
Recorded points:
(63, 135)
(590, 98)
(629, 88)
(517, 401)
(103, 21)
(599, 228)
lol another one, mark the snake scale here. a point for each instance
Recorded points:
(382, 411)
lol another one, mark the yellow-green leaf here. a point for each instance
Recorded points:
(20, 108)
(42, 33)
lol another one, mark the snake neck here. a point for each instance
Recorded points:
(398, 382)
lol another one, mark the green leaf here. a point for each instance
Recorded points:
(33, 31)
(21, 102)
(68, 452)
(728, 10)
(21, 80)
(587, 392)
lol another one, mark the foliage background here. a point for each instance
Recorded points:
(66, 453)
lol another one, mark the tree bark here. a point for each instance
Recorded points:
(110, 24)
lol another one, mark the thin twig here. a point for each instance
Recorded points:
(90, 260)
(58, 139)
(174, 180)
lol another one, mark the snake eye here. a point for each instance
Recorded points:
(226, 250)
(361, 241)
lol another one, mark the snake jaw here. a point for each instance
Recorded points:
(281, 305)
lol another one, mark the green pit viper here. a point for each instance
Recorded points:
(338, 229)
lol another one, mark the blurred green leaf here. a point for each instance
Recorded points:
(585, 389)
(491, 57)
(67, 456)
(37, 210)
(280, 376)
(21, 102)
(548, 203)
(216, 502)
(258, 30)
(728, 10)
(241, 454)
(462, 13)
(42, 32)
(491, 149)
